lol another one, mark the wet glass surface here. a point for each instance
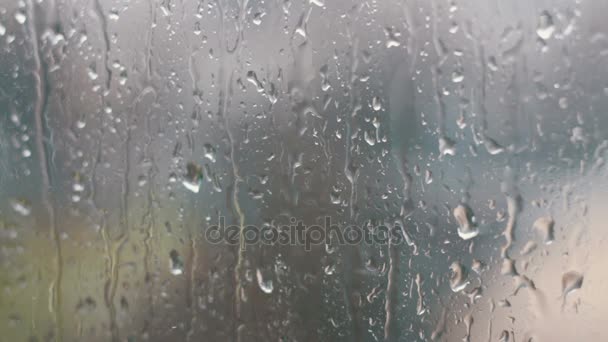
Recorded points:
(318, 170)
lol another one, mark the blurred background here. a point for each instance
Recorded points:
(129, 127)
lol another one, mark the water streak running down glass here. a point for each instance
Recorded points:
(282, 170)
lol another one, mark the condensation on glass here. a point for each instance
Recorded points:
(478, 129)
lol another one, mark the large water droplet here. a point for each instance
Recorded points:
(20, 17)
(193, 178)
(446, 146)
(492, 146)
(21, 206)
(571, 281)
(176, 263)
(457, 76)
(253, 79)
(265, 284)
(209, 152)
(458, 279)
(545, 27)
(466, 227)
(376, 103)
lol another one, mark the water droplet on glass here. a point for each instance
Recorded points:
(492, 146)
(545, 227)
(477, 266)
(257, 18)
(578, 135)
(86, 305)
(176, 263)
(209, 152)
(78, 187)
(253, 79)
(92, 73)
(113, 15)
(528, 248)
(193, 178)
(545, 27)
(447, 146)
(571, 281)
(265, 284)
(503, 303)
(457, 76)
(21, 206)
(369, 138)
(376, 103)
(466, 227)
(508, 267)
(428, 177)
(392, 37)
(458, 278)
(20, 17)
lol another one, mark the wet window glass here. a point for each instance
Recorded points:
(281, 170)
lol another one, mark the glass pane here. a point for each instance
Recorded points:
(279, 170)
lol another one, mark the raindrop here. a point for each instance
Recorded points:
(428, 177)
(466, 226)
(257, 18)
(545, 226)
(253, 79)
(457, 76)
(193, 178)
(86, 305)
(492, 146)
(503, 303)
(265, 284)
(392, 37)
(458, 279)
(20, 17)
(176, 263)
(508, 267)
(545, 27)
(376, 103)
(21, 206)
(528, 248)
(369, 138)
(113, 15)
(334, 196)
(578, 135)
(571, 281)
(209, 152)
(77, 186)
(420, 309)
(477, 266)
(447, 146)
(92, 73)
